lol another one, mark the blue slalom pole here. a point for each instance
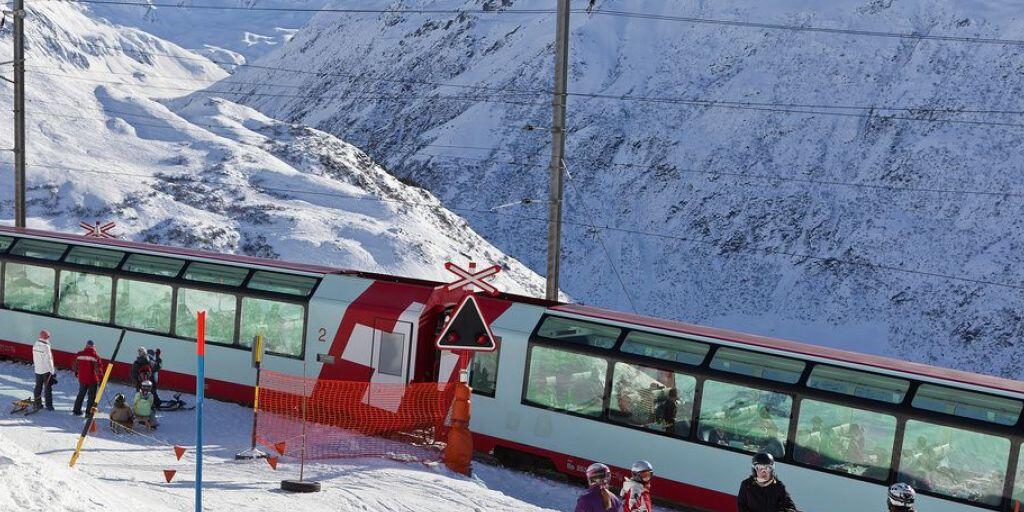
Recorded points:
(200, 379)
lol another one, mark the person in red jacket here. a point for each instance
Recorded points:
(87, 367)
(636, 490)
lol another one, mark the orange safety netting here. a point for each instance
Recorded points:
(352, 419)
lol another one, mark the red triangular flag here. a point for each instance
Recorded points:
(178, 452)
(273, 462)
(279, 447)
(169, 474)
(92, 426)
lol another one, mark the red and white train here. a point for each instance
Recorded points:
(569, 384)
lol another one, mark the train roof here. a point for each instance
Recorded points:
(802, 349)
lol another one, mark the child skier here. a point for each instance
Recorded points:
(636, 490)
(143, 406)
(121, 417)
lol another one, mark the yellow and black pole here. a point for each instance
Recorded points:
(99, 395)
(257, 358)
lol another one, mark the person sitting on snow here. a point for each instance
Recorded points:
(121, 417)
(143, 406)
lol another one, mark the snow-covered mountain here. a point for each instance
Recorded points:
(732, 245)
(128, 127)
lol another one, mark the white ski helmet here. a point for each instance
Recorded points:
(598, 473)
(642, 466)
(902, 495)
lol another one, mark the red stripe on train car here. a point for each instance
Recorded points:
(664, 489)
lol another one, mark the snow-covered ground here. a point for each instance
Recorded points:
(125, 472)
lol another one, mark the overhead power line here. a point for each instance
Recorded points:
(664, 236)
(313, 9)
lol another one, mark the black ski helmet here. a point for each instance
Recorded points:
(762, 459)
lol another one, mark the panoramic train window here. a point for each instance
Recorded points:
(153, 265)
(282, 283)
(94, 257)
(143, 305)
(566, 380)
(658, 400)
(220, 315)
(84, 296)
(664, 347)
(758, 365)
(751, 420)
(5, 242)
(853, 441)
(281, 324)
(966, 404)
(575, 331)
(1018, 482)
(218, 274)
(483, 376)
(29, 287)
(38, 249)
(953, 462)
(859, 384)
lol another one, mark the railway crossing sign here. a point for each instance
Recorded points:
(97, 230)
(467, 330)
(472, 278)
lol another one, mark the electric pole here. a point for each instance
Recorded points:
(19, 113)
(556, 186)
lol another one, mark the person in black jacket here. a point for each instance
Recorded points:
(762, 491)
(142, 369)
(156, 363)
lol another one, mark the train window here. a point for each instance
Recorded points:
(153, 265)
(220, 315)
(966, 404)
(567, 381)
(663, 347)
(94, 257)
(954, 462)
(143, 305)
(575, 331)
(39, 249)
(853, 441)
(752, 420)
(218, 274)
(483, 376)
(282, 283)
(859, 384)
(658, 400)
(281, 324)
(29, 287)
(5, 242)
(1018, 483)
(84, 296)
(754, 364)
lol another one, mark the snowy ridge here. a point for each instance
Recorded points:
(121, 129)
(729, 250)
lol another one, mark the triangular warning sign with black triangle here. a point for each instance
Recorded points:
(466, 329)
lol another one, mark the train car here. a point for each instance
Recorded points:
(568, 385)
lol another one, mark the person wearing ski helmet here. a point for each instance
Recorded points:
(901, 498)
(636, 490)
(143, 406)
(762, 491)
(142, 369)
(598, 498)
(121, 417)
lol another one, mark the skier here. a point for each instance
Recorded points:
(121, 417)
(156, 363)
(762, 491)
(142, 406)
(901, 498)
(87, 368)
(142, 370)
(42, 360)
(636, 490)
(598, 498)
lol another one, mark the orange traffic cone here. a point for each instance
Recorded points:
(273, 462)
(169, 474)
(179, 452)
(92, 426)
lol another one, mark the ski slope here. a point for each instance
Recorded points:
(125, 472)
